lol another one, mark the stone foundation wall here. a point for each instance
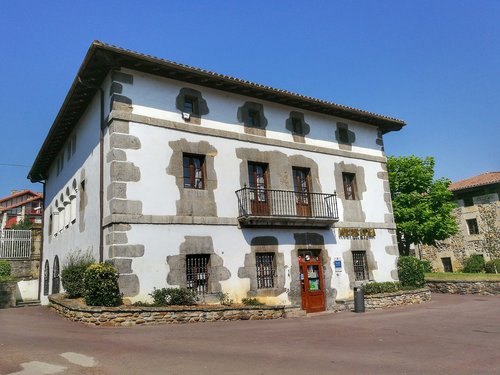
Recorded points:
(7, 294)
(126, 316)
(386, 300)
(465, 287)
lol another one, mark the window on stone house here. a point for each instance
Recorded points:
(343, 135)
(253, 118)
(360, 265)
(193, 171)
(197, 273)
(472, 225)
(190, 105)
(264, 263)
(349, 180)
(468, 202)
(297, 125)
(447, 264)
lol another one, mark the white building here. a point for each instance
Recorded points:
(184, 177)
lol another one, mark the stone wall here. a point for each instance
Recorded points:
(130, 315)
(7, 294)
(386, 300)
(464, 287)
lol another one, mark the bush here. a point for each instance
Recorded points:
(173, 296)
(73, 271)
(224, 299)
(491, 265)
(427, 266)
(385, 287)
(101, 285)
(474, 264)
(411, 272)
(251, 302)
(5, 268)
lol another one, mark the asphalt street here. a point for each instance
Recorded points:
(453, 334)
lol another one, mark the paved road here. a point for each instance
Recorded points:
(450, 335)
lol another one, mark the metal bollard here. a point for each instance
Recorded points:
(359, 300)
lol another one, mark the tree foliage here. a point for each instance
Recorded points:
(422, 206)
(24, 224)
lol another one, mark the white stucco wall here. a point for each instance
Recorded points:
(83, 234)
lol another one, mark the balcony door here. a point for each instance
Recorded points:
(258, 182)
(301, 186)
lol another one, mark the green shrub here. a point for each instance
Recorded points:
(411, 272)
(5, 268)
(427, 266)
(101, 285)
(474, 264)
(173, 296)
(224, 299)
(385, 287)
(251, 302)
(492, 266)
(73, 271)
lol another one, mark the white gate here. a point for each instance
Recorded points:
(15, 244)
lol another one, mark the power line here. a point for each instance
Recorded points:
(15, 165)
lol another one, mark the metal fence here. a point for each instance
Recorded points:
(269, 202)
(15, 244)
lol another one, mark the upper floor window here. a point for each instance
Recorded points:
(252, 115)
(254, 118)
(194, 175)
(349, 180)
(190, 105)
(472, 225)
(343, 135)
(468, 202)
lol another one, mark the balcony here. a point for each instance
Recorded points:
(283, 208)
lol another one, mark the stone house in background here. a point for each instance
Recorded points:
(477, 214)
(188, 178)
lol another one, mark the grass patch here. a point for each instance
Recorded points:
(462, 276)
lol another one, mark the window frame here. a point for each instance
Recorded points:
(360, 265)
(350, 186)
(194, 110)
(472, 226)
(265, 270)
(254, 118)
(193, 171)
(193, 276)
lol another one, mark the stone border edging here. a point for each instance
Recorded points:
(126, 316)
(484, 287)
(387, 300)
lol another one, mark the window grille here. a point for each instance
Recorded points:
(197, 274)
(265, 270)
(46, 277)
(360, 265)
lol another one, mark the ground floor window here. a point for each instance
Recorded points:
(360, 265)
(265, 270)
(46, 277)
(55, 276)
(197, 272)
(447, 264)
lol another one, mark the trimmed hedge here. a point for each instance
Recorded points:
(491, 265)
(173, 296)
(411, 272)
(101, 285)
(385, 287)
(5, 268)
(474, 264)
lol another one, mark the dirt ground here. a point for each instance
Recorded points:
(453, 334)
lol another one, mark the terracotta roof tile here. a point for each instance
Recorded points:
(487, 178)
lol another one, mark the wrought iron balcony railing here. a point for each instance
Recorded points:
(284, 207)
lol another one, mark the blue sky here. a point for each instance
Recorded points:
(434, 64)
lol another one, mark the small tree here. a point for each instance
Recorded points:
(411, 272)
(24, 224)
(101, 285)
(422, 207)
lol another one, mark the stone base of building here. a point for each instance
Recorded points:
(464, 287)
(126, 316)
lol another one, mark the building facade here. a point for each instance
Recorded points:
(478, 218)
(187, 178)
(21, 205)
